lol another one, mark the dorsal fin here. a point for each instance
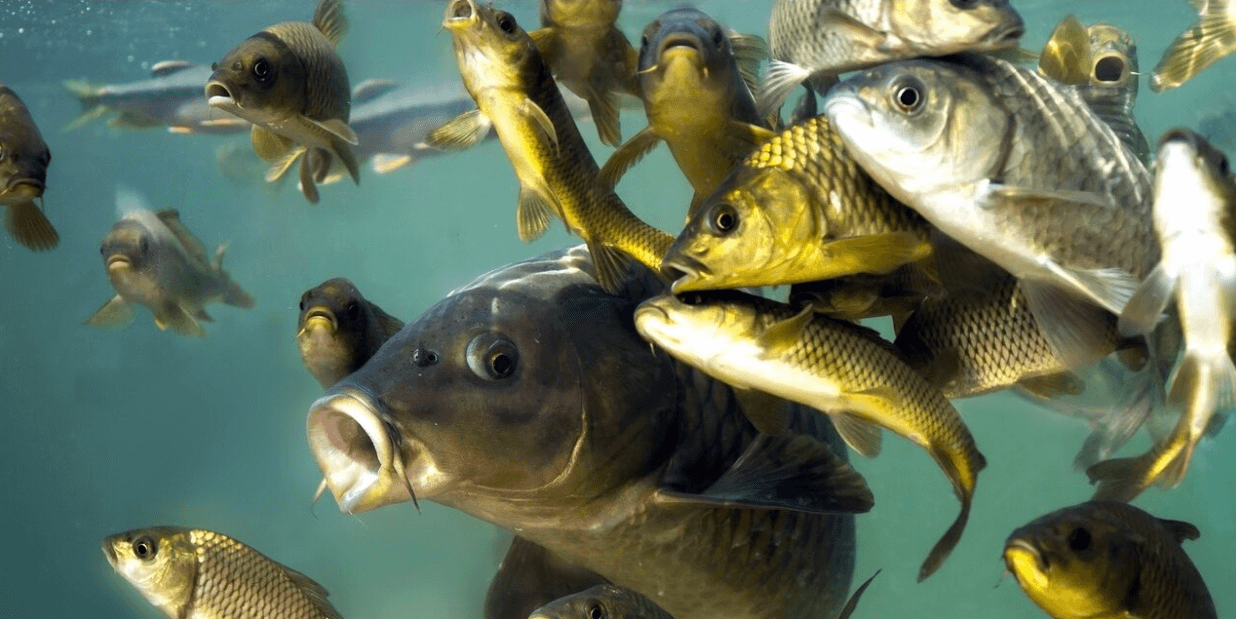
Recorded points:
(1180, 530)
(168, 67)
(171, 218)
(369, 90)
(330, 20)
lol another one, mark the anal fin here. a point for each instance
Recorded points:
(861, 435)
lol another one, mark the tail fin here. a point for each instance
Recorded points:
(1211, 38)
(234, 295)
(88, 95)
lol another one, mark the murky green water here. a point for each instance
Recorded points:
(110, 430)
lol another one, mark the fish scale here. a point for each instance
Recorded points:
(235, 581)
(327, 93)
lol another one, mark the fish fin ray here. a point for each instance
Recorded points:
(944, 547)
(174, 316)
(305, 179)
(785, 334)
(384, 163)
(1180, 530)
(768, 413)
(534, 213)
(604, 108)
(852, 603)
(627, 155)
(533, 112)
(1142, 311)
(780, 80)
(114, 314)
(335, 127)
(168, 67)
(344, 153)
(1122, 479)
(460, 133)
(316, 593)
(1054, 385)
(610, 263)
(864, 437)
(871, 253)
(1078, 332)
(1211, 38)
(279, 169)
(749, 52)
(330, 20)
(171, 218)
(1119, 424)
(268, 145)
(26, 223)
(1066, 51)
(794, 472)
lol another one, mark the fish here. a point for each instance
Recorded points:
(24, 158)
(814, 39)
(1067, 200)
(589, 54)
(547, 415)
(153, 260)
(797, 209)
(171, 97)
(1100, 62)
(602, 602)
(1108, 559)
(840, 369)
(1195, 217)
(515, 94)
(288, 81)
(339, 330)
(199, 574)
(1211, 38)
(696, 96)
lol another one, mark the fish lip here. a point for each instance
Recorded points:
(680, 39)
(325, 314)
(1024, 544)
(1008, 34)
(456, 17)
(690, 269)
(116, 261)
(28, 181)
(219, 95)
(354, 447)
(110, 552)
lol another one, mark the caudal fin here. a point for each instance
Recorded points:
(87, 95)
(1211, 38)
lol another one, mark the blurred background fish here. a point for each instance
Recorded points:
(171, 97)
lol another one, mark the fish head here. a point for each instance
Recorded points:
(24, 155)
(944, 27)
(750, 232)
(334, 330)
(1113, 57)
(492, 49)
(524, 390)
(684, 55)
(262, 80)
(920, 127)
(1074, 562)
(160, 562)
(601, 601)
(1196, 179)
(127, 248)
(702, 329)
(573, 14)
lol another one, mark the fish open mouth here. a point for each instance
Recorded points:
(459, 12)
(685, 271)
(1110, 69)
(320, 315)
(679, 40)
(1007, 35)
(218, 95)
(1019, 552)
(109, 551)
(358, 452)
(35, 186)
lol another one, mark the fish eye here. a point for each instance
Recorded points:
(643, 41)
(723, 219)
(908, 95)
(492, 357)
(262, 70)
(352, 308)
(145, 547)
(214, 66)
(717, 38)
(1225, 168)
(596, 612)
(506, 23)
(1079, 539)
(1109, 69)
(143, 245)
(964, 5)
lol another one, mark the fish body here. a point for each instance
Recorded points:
(1195, 218)
(587, 53)
(171, 97)
(513, 89)
(810, 39)
(696, 99)
(835, 367)
(339, 330)
(797, 209)
(544, 413)
(288, 81)
(200, 574)
(1211, 38)
(1016, 168)
(153, 260)
(1108, 559)
(1100, 62)
(608, 601)
(24, 158)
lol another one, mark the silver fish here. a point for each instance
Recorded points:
(171, 97)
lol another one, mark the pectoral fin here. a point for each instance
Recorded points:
(383, 163)
(461, 133)
(780, 80)
(1078, 331)
(794, 472)
(784, 335)
(26, 223)
(174, 316)
(873, 253)
(626, 156)
(268, 145)
(335, 127)
(1147, 304)
(534, 212)
(539, 119)
(750, 51)
(604, 108)
(768, 413)
(861, 435)
(114, 314)
(280, 168)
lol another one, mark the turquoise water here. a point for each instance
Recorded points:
(112, 430)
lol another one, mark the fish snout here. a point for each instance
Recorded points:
(680, 41)
(109, 550)
(1008, 33)
(30, 184)
(218, 94)
(460, 12)
(320, 316)
(355, 448)
(683, 270)
(1024, 559)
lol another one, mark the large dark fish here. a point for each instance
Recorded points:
(542, 411)
(288, 81)
(200, 574)
(517, 96)
(171, 97)
(1108, 559)
(340, 330)
(24, 158)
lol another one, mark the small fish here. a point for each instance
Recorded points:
(199, 574)
(171, 97)
(1031, 166)
(1100, 61)
(1108, 559)
(340, 330)
(589, 55)
(515, 94)
(696, 96)
(153, 260)
(1211, 38)
(24, 158)
(798, 209)
(813, 39)
(840, 369)
(288, 81)
(602, 602)
(1195, 217)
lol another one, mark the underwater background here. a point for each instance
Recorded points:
(104, 431)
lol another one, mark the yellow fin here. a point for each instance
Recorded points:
(610, 264)
(533, 214)
(1066, 55)
(461, 132)
(604, 108)
(281, 166)
(330, 20)
(861, 435)
(533, 112)
(26, 223)
(268, 145)
(114, 314)
(626, 156)
(1051, 386)
(779, 338)
(1211, 38)
(872, 253)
